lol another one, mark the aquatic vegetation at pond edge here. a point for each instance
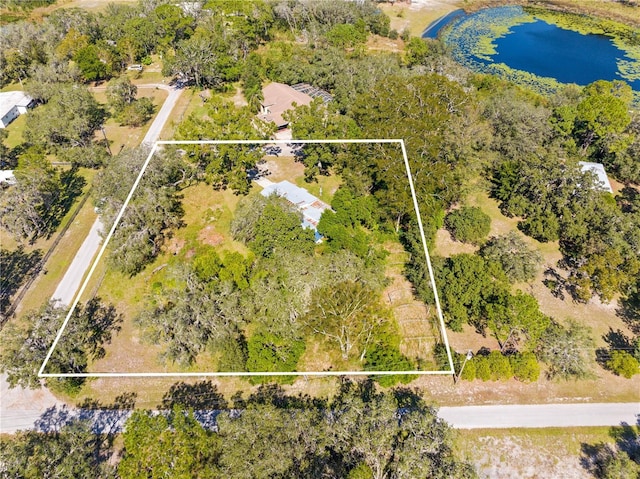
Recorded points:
(475, 34)
(477, 42)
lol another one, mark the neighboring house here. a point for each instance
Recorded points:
(279, 98)
(7, 178)
(598, 170)
(310, 206)
(12, 104)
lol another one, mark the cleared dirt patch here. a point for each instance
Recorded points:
(209, 236)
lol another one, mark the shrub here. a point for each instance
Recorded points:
(384, 355)
(469, 371)
(469, 224)
(483, 368)
(623, 364)
(268, 352)
(525, 367)
(512, 253)
(499, 366)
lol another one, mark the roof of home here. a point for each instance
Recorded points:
(279, 98)
(598, 170)
(312, 91)
(6, 176)
(9, 99)
(310, 206)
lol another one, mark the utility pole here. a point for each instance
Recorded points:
(466, 358)
(105, 140)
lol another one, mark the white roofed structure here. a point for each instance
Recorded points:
(310, 206)
(598, 170)
(13, 104)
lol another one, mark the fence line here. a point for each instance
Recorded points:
(40, 266)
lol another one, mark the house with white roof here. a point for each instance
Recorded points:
(12, 104)
(310, 206)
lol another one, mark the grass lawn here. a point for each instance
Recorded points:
(208, 215)
(529, 453)
(125, 136)
(15, 130)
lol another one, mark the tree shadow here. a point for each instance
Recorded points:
(616, 340)
(54, 419)
(598, 458)
(107, 418)
(72, 185)
(17, 265)
(629, 311)
(275, 395)
(202, 397)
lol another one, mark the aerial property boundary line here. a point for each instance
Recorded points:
(400, 142)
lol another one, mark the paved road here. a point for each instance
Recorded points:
(20, 408)
(464, 417)
(541, 415)
(67, 288)
(163, 115)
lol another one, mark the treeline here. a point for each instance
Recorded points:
(205, 44)
(358, 433)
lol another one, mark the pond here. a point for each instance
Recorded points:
(515, 44)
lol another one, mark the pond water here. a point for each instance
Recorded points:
(567, 56)
(509, 41)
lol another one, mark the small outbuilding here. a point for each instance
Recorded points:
(601, 175)
(12, 104)
(279, 98)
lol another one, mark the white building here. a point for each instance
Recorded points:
(12, 104)
(310, 206)
(7, 178)
(601, 175)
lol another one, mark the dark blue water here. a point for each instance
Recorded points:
(567, 56)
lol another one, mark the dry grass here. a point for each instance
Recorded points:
(186, 104)
(124, 136)
(205, 210)
(417, 17)
(529, 453)
(415, 320)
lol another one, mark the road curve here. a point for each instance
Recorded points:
(541, 415)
